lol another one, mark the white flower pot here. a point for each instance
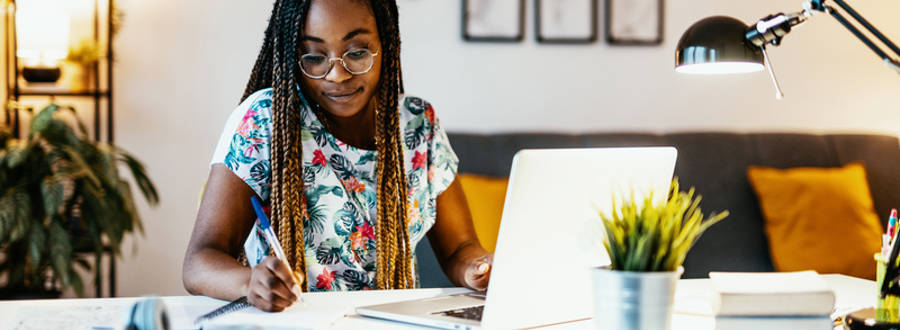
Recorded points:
(634, 300)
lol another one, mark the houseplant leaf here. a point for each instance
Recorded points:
(654, 237)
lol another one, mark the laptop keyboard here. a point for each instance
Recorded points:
(469, 313)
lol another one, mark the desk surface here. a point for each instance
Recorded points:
(336, 310)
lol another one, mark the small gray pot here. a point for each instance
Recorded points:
(634, 300)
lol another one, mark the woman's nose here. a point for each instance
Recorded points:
(338, 73)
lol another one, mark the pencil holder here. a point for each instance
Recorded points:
(886, 313)
(888, 306)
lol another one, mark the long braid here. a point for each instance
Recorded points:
(393, 264)
(276, 66)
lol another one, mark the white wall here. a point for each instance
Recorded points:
(182, 66)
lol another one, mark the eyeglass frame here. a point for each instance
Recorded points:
(331, 61)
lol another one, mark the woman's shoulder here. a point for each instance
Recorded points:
(255, 114)
(416, 111)
(417, 120)
(414, 105)
(260, 100)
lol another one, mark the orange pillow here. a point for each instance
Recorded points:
(819, 218)
(485, 196)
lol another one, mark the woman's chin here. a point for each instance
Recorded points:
(343, 110)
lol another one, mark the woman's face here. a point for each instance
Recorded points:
(332, 28)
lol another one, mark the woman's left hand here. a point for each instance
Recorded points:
(478, 272)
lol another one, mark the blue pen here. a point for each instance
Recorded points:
(267, 230)
(270, 235)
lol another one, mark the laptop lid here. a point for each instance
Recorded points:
(549, 233)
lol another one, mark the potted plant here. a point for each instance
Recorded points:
(60, 193)
(646, 243)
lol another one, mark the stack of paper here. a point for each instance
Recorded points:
(796, 301)
(771, 294)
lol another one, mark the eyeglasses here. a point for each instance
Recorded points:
(356, 61)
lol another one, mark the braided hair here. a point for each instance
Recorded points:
(277, 67)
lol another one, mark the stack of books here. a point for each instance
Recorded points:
(796, 300)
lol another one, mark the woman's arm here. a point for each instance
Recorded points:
(455, 243)
(210, 264)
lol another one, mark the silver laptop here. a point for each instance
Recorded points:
(548, 240)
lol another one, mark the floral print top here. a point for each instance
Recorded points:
(339, 185)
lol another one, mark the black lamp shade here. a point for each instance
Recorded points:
(715, 45)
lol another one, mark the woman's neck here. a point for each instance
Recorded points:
(357, 130)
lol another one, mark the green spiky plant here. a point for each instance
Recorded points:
(654, 237)
(61, 192)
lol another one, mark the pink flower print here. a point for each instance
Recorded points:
(366, 231)
(324, 280)
(418, 160)
(318, 158)
(248, 124)
(431, 173)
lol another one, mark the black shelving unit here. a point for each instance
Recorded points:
(100, 92)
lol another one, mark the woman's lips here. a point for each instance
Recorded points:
(342, 97)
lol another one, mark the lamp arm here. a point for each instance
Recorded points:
(865, 23)
(888, 61)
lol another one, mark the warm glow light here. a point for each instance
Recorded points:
(42, 33)
(720, 68)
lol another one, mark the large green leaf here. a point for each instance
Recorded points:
(140, 176)
(21, 220)
(60, 252)
(16, 152)
(7, 215)
(43, 119)
(52, 195)
(37, 243)
(79, 166)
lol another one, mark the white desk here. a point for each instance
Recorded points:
(336, 309)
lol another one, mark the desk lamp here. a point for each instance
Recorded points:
(724, 45)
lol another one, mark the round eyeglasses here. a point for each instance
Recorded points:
(357, 62)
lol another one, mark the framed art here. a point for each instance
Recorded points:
(566, 21)
(493, 20)
(634, 22)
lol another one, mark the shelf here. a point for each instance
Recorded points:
(41, 92)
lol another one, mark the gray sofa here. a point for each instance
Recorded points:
(714, 163)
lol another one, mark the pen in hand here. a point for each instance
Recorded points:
(272, 240)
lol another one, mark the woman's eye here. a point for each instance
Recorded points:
(313, 59)
(357, 54)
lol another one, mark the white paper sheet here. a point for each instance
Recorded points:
(298, 316)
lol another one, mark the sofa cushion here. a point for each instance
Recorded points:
(819, 218)
(485, 196)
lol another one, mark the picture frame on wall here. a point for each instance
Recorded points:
(493, 20)
(634, 22)
(566, 21)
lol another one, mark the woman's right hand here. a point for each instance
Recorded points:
(272, 287)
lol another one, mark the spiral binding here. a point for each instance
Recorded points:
(233, 306)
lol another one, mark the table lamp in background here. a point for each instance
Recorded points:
(42, 35)
(725, 45)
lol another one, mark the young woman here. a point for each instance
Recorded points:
(354, 172)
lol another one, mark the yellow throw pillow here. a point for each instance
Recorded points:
(819, 218)
(485, 196)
